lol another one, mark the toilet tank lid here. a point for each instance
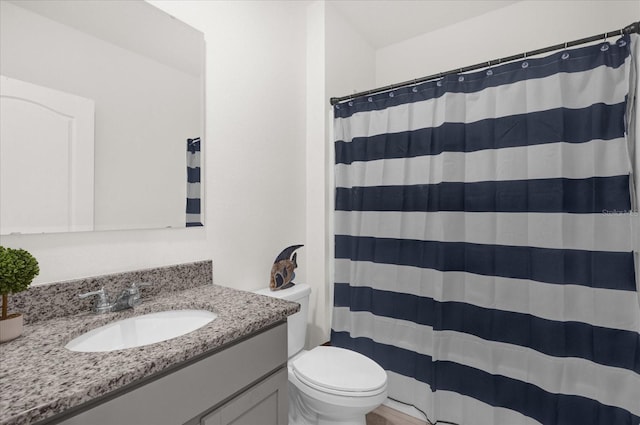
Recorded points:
(296, 292)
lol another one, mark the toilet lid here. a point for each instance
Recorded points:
(339, 369)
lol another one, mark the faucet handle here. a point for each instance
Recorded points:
(135, 286)
(134, 293)
(102, 301)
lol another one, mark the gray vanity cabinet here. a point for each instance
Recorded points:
(242, 384)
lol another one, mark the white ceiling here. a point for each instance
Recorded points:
(385, 22)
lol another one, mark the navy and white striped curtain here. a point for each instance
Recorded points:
(484, 228)
(193, 218)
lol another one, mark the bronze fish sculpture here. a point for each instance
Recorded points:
(282, 270)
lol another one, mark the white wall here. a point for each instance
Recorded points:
(293, 58)
(520, 27)
(316, 238)
(254, 157)
(350, 59)
(338, 59)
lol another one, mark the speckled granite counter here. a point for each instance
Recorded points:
(40, 378)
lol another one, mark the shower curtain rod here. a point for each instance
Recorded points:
(633, 28)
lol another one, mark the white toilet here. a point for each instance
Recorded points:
(327, 385)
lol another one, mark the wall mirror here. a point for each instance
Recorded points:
(99, 100)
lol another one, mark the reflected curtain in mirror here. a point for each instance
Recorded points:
(194, 218)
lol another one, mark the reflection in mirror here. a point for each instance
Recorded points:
(99, 102)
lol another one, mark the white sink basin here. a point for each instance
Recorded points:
(141, 330)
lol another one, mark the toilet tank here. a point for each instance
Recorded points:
(296, 323)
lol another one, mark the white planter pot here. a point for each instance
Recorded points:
(11, 328)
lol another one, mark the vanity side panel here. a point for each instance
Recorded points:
(179, 396)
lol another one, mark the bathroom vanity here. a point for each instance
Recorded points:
(230, 370)
(245, 383)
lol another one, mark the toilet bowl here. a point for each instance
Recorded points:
(327, 385)
(330, 385)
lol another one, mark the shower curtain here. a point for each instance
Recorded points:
(484, 240)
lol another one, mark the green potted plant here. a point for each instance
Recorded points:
(17, 270)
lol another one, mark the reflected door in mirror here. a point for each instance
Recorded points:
(46, 159)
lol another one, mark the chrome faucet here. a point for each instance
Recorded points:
(128, 298)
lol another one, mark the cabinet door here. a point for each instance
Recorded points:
(263, 404)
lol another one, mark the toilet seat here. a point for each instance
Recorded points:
(339, 371)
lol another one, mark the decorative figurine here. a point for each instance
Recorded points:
(282, 271)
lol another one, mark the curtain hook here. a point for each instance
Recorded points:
(605, 45)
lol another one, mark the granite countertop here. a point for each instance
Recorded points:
(40, 378)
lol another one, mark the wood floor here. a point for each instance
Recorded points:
(385, 415)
